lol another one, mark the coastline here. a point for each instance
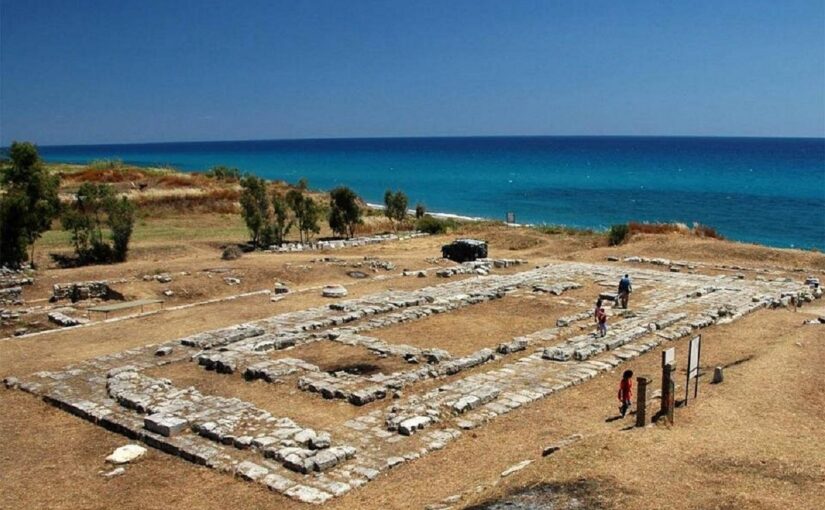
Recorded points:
(568, 204)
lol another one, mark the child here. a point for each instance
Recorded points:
(601, 318)
(625, 391)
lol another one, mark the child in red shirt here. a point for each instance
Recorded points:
(625, 391)
(601, 318)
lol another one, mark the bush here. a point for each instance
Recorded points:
(231, 252)
(706, 231)
(433, 225)
(96, 209)
(617, 234)
(224, 173)
(420, 211)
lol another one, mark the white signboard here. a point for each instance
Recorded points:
(694, 352)
(668, 356)
(693, 357)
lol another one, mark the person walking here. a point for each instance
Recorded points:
(625, 288)
(625, 392)
(601, 320)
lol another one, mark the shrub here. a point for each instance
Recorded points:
(96, 207)
(617, 234)
(433, 225)
(420, 211)
(224, 173)
(706, 231)
(231, 252)
(561, 229)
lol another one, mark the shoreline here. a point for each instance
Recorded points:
(454, 216)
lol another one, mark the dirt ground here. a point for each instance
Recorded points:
(754, 441)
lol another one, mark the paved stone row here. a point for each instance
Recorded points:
(346, 243)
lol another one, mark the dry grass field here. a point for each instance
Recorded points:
(754, 441)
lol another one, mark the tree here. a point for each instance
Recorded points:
(29, 204)
(306, 211)
(254, 206)
(121, 222)
(344, 213)
(281, 221)
(97, 210)
(395, 206)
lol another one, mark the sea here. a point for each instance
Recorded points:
(762, 190)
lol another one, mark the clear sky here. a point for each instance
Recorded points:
(100, 71)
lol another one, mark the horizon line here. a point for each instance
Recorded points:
(420, 137)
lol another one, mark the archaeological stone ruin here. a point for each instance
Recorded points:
(385, 418)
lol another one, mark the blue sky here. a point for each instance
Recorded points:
(103, 71)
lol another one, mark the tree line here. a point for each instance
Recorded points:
(271, 215)
(100, 222)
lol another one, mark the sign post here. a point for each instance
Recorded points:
(668, 387)
(694, 353)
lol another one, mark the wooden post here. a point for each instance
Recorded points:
(641, 400)
(668, 392)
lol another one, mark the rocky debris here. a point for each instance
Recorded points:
(8, 282)
(435, 355)
(280, 288)
(115, 472)
(556, 289)
(358, 275)
(61, 319)
(11, 296)
(410, 425)
(558, 445)
(163, 351)
(162, 278)
(563, 322)
(125, 454)
(417, 273)
(334, 291)
(376, 265)
(11, 382)
(516, 467)
(79, 291)
(231, 280)
(515, 345)
(168, 293)
(308, 494)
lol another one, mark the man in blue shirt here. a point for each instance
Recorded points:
(625, 288)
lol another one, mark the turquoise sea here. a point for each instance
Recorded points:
(764, 190)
